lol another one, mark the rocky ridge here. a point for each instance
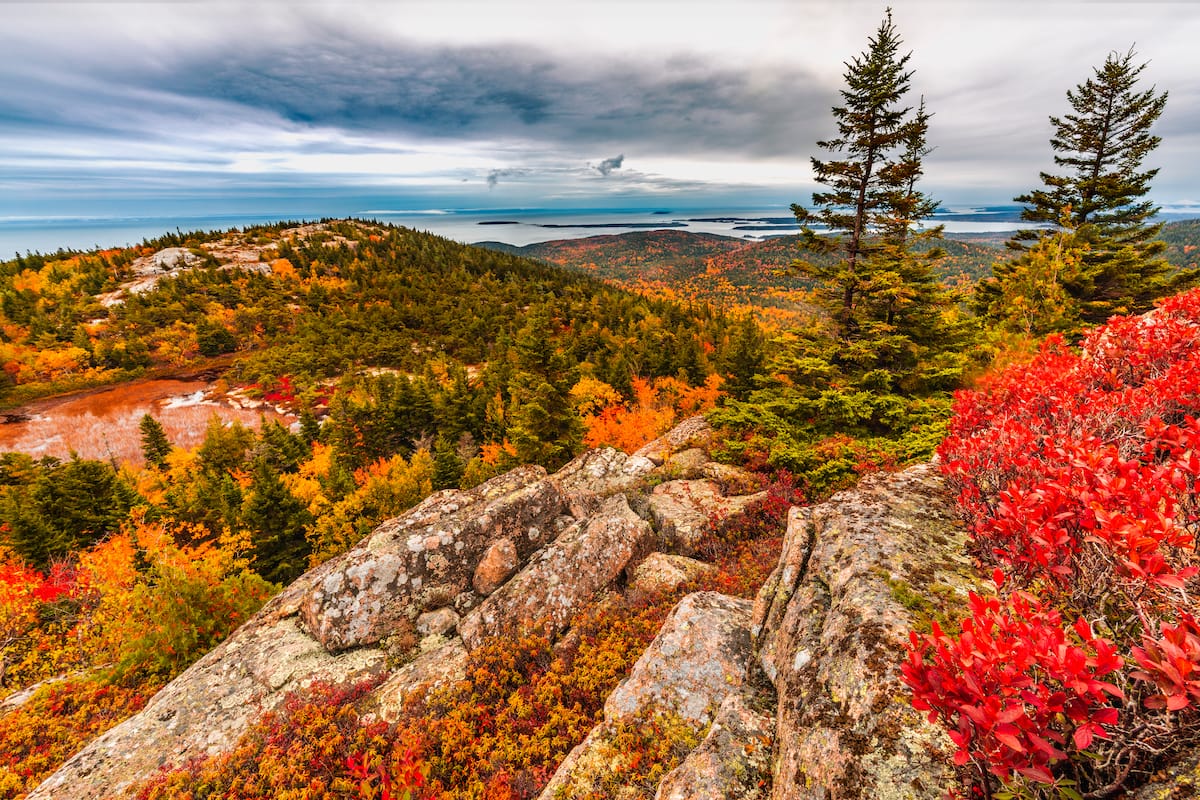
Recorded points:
(793, 696)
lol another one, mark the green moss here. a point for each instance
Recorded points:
(939, 602)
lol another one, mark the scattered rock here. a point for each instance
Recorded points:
(684, 511)
(701, 656)
(831, 623)
(437, 623)
(692, 432)
(498, 564)
(732, 480)
(427, 557)
(164, 260)
(660, 572)
(557, 582)
(686, 464)
(732, 763)
(438, 667)
(602, 471)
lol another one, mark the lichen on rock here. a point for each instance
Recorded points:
(831, 633)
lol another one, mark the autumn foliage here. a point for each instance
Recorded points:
(501, 731)
(118, 622)
(654, 409)
(1079, 476)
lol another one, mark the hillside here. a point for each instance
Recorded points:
(217, 413)
(718, 269)
(1183, 242)
(596, 632)
(286, 312)
(733, 272)
(560, 621)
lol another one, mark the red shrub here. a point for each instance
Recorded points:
(1079, 476)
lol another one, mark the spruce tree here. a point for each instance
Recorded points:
(276, 521)
(1099, 198)
(871, 126)
(155, 444)
(885, 299)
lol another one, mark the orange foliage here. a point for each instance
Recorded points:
(40, 735)
(282, 268)
(130, 614)
(501, 732)
(495, 453)
(657, 405)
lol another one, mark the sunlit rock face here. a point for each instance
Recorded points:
(795, 695)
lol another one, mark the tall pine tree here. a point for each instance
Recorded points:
(871, 127)
(1099, 198)
(885, 299)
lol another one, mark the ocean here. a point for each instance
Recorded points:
(512, 226)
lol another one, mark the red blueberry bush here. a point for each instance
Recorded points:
(1079, 476)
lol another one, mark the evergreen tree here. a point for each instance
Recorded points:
(746, 357)
(1026, 295)
(871, 201)
(888, 305)
(543, 426)
(276, 520)
(155, 445)
(1100, 197)
(67, 507)
(447, 465)
(310, 427)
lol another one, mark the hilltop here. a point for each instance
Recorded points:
(703, 267)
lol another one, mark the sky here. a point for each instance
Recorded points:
(296, 107)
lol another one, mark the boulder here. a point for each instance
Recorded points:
(701, 656)
(602, 471)
(732, 763)
(206, 709)
(855, 575)
(686, 463)
(498, 564)
(440, 666)
(566, 574)
(692, 432)
(684, 511)
(439, 622)
(427, 557)
(660, 572)
(732, 480)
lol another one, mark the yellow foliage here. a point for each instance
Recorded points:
(385, 488)
(305, 484)
(590, 395)
(282, 268)
(51, 364)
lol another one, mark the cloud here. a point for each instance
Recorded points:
(679, 104)
(609, 164)
(380, 95)
(494, 176)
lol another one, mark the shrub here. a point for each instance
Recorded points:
(1079, 477)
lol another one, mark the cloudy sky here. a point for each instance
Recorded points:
(211, 107)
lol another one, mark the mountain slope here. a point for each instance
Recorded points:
(719, 269)
(716, 657)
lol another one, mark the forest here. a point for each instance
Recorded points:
(414, 364)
